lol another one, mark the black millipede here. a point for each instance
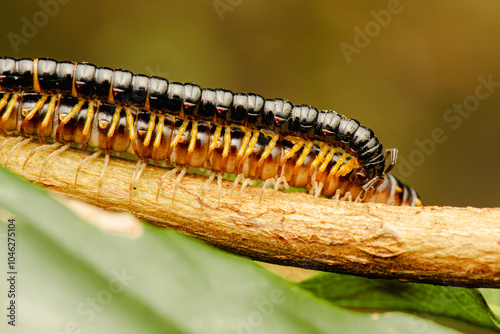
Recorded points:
(175, 142)
(163, 98)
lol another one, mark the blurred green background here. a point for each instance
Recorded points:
(412, 66)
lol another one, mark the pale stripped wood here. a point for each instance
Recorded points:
(438, 245)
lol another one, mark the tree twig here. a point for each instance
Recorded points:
(438, 245)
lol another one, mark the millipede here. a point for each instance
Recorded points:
(181, 125)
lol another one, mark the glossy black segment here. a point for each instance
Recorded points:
(102, 83)
(302, 119)
(7, 73)
(252, 105)
(347, 128)
(158, 97)
(122, 86)
(65, 74)
(47, 75)
(139, 93)
(24, 74)
(192, 99)
(275, 114)
(175, 98)
(224, 103)
(208, 104)
(84, 79)
(361, 137)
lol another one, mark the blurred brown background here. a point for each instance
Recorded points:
(395, 66)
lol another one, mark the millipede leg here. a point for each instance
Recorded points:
(300, 161)
(317, 191)
(335, 168)
(393, 153)
(243, 146)
(192, 141)
(219, 187)
(227, 145)
(4, 100)
(179, 134)
(101, 177)
(289, 153)
(11, 139)
(48, 116)
(139, 169)
(20, 144)
(251, 145)
(177, 181)
(55, 145)
(215, 140)
(64, 119)
(266, 184)
(53, 154)
(8, 111)
(87, 159)
(235, 183)
(247, 182)
(147, 138)
(158, 137)
(88, 124)
(167, 174)
(205, 185)
(131, 130)
(112, 128)
(268, 149)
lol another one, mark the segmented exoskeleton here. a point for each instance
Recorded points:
(162, 98)
(173, 141)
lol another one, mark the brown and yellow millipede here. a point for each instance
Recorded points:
(172, 141)
(161, 98)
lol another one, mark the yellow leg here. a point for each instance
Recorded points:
(302, 157)
(48, 116)
(192, 142)
(29, 114)
(158, 137)
(251, 145)
(149, 135)
(268, 149)
(215, 139)
(10, 107)
(179, 134)
(327, 160)
(227, 145)
(63, 120)
(244, 144)
(131, 131)
(335, 168)
(88, 124)
(297, 146)
(318, 159)
(4, 100)
(112, 127)
(348, 167)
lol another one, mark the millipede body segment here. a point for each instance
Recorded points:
(189, 101)
(173, 141)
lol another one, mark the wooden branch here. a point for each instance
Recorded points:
(438, 245)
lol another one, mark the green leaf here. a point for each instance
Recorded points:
(430, 301)
(73, 277)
